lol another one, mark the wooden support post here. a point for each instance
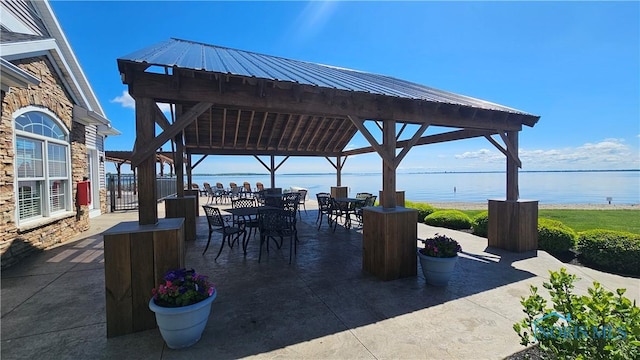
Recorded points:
(388, 171)
(145, 130)
(273, 171)
(512, 166)
(338, 171)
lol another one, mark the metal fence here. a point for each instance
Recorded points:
(122, 190)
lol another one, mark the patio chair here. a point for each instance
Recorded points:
(325, 208)
(246, 190)
(234, 192)
(250, 222)
(217, 224)
(290, 204)
(369, 201)
(302, 200)
(221, 193)
(274, 223)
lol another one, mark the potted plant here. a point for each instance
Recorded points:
(438, 258)
(182, 303)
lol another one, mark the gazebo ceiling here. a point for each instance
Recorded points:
(234, 102)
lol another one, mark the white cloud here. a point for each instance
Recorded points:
(125, 100)
(606, 154)
(129, 102)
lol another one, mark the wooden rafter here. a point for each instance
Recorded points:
(143, 151)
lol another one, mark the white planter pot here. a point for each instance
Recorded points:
(437, 270)
(182, 326)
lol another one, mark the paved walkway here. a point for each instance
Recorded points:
(321, 306)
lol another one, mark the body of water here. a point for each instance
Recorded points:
(584, 187)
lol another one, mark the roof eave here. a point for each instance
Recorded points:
(13, 76)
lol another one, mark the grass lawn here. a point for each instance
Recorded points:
(580, 220)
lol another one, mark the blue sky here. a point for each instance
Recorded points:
(576, 64)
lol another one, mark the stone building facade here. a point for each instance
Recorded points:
(33, 83)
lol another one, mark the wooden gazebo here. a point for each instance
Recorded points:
(234, 102)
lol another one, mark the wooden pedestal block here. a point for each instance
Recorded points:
(513, 225)
(399, 198)
(183, 207)
(196, 195)
(339, 191)
(136, 257)
(389, 242)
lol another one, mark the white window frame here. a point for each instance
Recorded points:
(47, 214)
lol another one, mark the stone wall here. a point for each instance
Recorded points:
(16, 243)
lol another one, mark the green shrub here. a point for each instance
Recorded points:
(554, 236)
(611, 250)
(450, 219)
(600, 325)
(480, 224)
(424, 209)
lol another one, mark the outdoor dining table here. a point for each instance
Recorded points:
(348, 207)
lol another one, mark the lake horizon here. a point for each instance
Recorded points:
(547, 186)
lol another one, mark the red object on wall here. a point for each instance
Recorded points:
(84, 192)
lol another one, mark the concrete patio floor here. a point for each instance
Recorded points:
(321, 306)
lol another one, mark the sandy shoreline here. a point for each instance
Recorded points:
(483, 206)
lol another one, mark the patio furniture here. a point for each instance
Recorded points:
(274, 223)
(234, 191)
(324, 207)
(245, 221)
(290, 204)
(217, 224)
(246, 190)
(345, 207)
(302, 200)
(369, 201)
(221, 193)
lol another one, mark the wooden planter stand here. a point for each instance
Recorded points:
(183, 207)
(339, 191)
(389, 242)
(513, 225)
(136, 257)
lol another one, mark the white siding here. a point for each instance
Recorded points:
(24, 18)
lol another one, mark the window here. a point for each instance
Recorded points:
(42, 163)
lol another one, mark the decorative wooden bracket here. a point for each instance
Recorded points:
(143, 152)
(390, 158)
(509, 151)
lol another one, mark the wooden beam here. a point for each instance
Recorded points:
(264, 122)
(511, 150)
(387, 158)
(431, 139)
(224, 126)
(513, 192)
(199, 161)
(314, 136)
(246, 143)
(388, 171)
(410, 144)
(143, 151)
(294, 132)
(235, 134)
(146, 168)
(314, 102)
(160, 119)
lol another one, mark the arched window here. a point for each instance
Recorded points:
(42, 161)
